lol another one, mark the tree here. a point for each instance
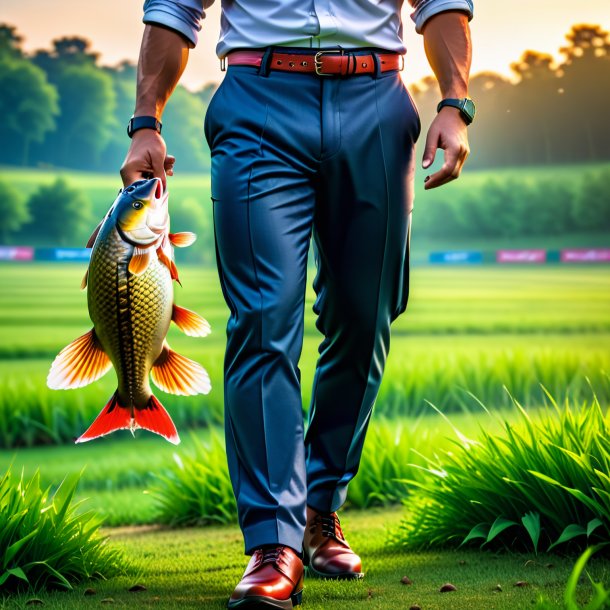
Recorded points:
(28, 106)
(10, 41)
(13, 211)
(591, 209)
(533, 107)
(585, 82)
(183, 131)
(61, 215)
(86, 102)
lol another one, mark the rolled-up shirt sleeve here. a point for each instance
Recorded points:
(183, 16)
(424, 9)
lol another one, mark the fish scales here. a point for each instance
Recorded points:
(131, 313)
(130, 298)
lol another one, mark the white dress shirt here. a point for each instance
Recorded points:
(300, 23)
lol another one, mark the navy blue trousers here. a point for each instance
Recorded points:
(296, 155)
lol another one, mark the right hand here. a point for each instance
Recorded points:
(147, 158)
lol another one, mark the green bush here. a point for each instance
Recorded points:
(45, 542)
(543, 482)
(391, 449)
(197, 489)
(517, 206)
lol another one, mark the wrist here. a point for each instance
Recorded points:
(143, 122)
(464, 106)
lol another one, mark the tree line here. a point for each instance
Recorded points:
(61, 108)
(550, 113)
(58, 214)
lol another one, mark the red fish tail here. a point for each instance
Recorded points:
(156, 419)
(114, 417)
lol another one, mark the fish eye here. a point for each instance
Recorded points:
(137, 205)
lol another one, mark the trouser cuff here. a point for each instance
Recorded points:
(272, 532)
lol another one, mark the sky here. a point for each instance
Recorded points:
(501, 31)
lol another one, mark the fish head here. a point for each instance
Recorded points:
(140, 212)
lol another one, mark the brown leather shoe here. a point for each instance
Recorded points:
(273, 579)
(326, 553)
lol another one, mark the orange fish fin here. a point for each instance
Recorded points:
(94, 235)
(190, 323)
(79, 364)
(182, 240)
(169, 263)
(113, 417)
(176, 374)
(140, 260)
(155, 418)
(83, 284)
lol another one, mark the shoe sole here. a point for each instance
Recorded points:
(260, 601)
(311, 571)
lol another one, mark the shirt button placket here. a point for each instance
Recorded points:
(328, 25)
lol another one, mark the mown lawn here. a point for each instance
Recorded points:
(198, 568)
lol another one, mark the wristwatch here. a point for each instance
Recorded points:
(143, 122)
(465, 105)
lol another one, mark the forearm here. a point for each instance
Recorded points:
(163, 57)
(449, 51)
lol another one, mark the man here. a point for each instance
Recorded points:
(311, 132)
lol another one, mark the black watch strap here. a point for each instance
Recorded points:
(143, 122)
(465, 105)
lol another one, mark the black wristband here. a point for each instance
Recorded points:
(143, 122)
(465, 105)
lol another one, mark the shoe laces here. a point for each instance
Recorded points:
(272, 554)
(331, 526)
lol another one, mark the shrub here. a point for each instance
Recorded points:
(13, 211)
(61, 215)
(390, 450)
(197, 489)
(44, 542)
(542, 483)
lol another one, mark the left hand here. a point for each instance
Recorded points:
(447, 131)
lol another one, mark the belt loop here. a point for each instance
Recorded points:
(377, 62)
(264, 68)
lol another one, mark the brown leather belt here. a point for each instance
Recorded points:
(332, 62)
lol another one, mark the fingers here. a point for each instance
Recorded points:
(454, 161)
(430, 149)
(147, 158)
(169, 165)
(448, 132)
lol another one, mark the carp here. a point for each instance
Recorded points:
(130, 298)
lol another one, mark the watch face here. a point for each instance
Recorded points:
(469, 108)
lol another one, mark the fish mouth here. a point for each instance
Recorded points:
(159, 218)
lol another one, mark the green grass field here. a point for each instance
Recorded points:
(465, 329)
(198, 568)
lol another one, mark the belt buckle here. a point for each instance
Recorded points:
(318, 61)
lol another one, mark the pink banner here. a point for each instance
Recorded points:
(16, 253)
(521, 256)
(586, 255)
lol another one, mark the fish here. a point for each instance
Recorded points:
(130, 298)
